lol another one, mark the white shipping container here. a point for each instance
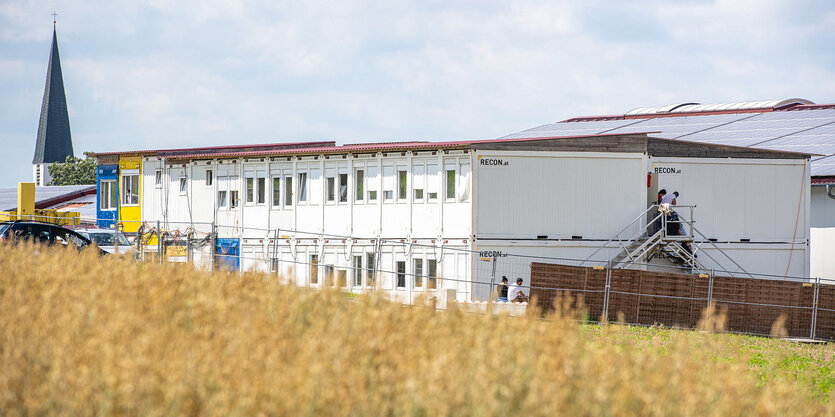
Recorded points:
(557, 194)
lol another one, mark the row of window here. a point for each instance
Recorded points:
(336, 188)
(109, 192)
(424, 272)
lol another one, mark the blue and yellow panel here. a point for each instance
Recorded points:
(107, 201)
(130, 193)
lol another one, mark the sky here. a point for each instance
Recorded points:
(169, 74)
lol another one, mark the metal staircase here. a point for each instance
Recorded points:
(659, 237)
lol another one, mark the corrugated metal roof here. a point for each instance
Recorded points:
(206, 149)
(8, 195)
(793, 125)
(318, 150)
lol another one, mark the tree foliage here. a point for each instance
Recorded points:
(73, 171)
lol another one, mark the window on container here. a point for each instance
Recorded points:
(329, 275)
(114, 195)
(358, 271)
(432, 182)
(221, 199)
(402, 185)
(209, 177)
(372, 181)
(314, 269)
(183, 185)
(343, 188)
(261, 191)
(276, 191)
(104, 195)
(417, 183)
(302, 187)
(234, 201)
(331, 188)
(464, 183)
(342, 278)
(401, 274)
(314, 186)
(108, 195)
(450, 184)
(250, 189)
(130, 189)
(431, 273)
(158, 178)
(388, 183)
(288, 191)
(369, 269)
(417, 271)
(359, 184)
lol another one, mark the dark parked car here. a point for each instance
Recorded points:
(42, 233)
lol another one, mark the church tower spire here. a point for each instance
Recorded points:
(54, 141)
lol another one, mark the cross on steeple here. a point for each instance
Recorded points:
(54, 17)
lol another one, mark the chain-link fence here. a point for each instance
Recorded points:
(444, 271)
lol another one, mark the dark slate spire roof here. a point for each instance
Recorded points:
(54, 140)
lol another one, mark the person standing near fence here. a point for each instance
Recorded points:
(501, 289)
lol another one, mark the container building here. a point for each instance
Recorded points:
(425, 217)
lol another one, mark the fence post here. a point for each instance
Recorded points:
(709, 293)
(376, 267)
(189, 257)
(490, 299)
(159, 244)
(116, 240)
(606, 290)
(493, 278)
(274, 257)
(213, 242)
(815, 307)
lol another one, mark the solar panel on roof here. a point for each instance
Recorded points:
(761, 128)
(570, 129)
(824, 166)
(674, 127)
(808, 131)
(820, 140)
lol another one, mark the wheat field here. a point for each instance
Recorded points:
(87, 335)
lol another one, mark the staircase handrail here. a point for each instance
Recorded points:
(617, 235)
(695, 230)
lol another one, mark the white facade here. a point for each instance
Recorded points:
(823, 206)
(40, 174)
(756, 210)
(822, 259)
(431, 221)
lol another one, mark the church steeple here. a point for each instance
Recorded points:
(54, 142)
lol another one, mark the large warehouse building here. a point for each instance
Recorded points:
(421, 217)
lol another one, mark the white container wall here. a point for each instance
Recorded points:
(557, 194)
(757, 199)
(822, 250)
(823, 207)
(745, 202)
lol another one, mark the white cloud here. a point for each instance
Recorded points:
(168, 74)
